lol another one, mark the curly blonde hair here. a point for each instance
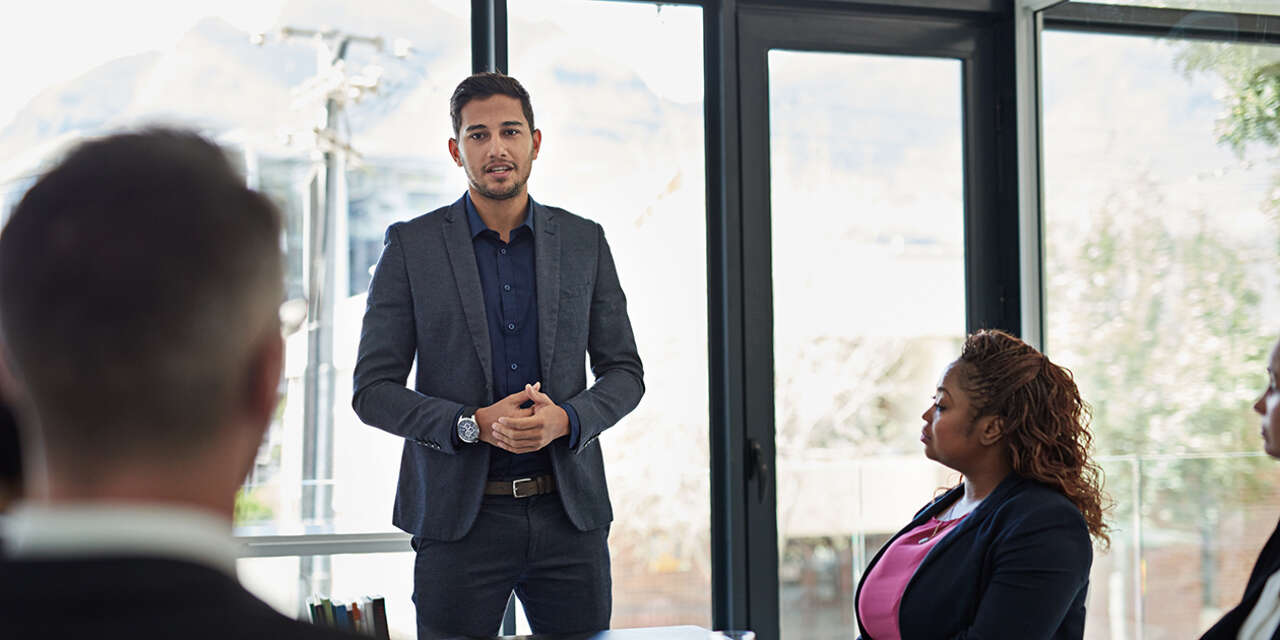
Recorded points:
(1046, 422)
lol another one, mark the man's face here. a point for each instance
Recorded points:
(495, 147)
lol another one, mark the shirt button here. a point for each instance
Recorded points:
(511, 326)
(514, 366)
(506, 287)
(502, 251)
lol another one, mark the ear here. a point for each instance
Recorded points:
(455, 152)
(537, 143)
(990, 430)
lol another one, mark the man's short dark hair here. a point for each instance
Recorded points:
(484, 85)
(136, 278)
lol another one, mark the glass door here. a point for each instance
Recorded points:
(869, 189)
(867, 233)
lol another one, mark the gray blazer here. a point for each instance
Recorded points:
(425, 302)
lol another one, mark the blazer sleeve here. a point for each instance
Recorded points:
(1039, 568)
(611, 347)
(387, 347)
(1268, 562)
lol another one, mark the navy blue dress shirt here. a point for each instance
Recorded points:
(509, 285)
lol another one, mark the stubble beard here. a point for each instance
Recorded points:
(507, 194)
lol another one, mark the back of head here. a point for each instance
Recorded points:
(136, 278)
(1045, 422)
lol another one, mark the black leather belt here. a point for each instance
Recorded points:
(522, 488)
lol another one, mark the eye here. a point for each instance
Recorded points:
(477, 136)
(512, 132)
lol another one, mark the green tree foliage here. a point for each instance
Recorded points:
(1251, 99)
(250, 508)
(1157, 313)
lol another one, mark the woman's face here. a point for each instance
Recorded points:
(1268, 406)
(950, 435)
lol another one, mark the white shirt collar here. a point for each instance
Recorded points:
(120, 529)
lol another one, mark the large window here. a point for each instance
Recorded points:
(868, 305)
(347, 143)
(1160, 290)
(622, 125)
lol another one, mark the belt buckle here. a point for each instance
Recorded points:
(515, 487)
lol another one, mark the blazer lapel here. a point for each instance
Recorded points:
(462, 259)
(546, 252)
(993, 500)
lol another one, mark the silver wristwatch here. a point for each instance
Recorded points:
(468, 430)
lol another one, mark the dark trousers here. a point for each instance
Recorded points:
(528, 545)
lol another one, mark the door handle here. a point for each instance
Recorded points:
(758, 468)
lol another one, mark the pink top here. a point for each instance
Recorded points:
(882, 590)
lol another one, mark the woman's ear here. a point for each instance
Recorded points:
(990, 430)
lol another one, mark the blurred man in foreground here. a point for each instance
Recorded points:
(139, 288)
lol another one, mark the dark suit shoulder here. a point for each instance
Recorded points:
(570, 219)
(1031, 499)
(138, 598)
(429, 220)
(1042, 513)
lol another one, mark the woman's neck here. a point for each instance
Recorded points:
(980, 484)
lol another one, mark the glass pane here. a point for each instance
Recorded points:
(194, 64)
(353, 576)
(1160, 287)
(868, 286)
(622, 125)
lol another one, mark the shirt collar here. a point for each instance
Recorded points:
(478, 226)
(120, 529)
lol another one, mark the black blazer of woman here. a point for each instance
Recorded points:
(1017, 567)
(1268, 563)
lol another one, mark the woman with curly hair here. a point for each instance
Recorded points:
(1006, 553)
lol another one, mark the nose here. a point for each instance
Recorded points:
(1260, 405)
(927, 413)
(496, 149)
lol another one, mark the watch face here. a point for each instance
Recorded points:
(468, 430)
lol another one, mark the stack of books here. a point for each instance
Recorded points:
(367, 615)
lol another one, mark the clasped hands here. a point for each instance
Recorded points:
(522, 422)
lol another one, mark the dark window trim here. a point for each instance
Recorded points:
(1164, 23)
(488, 35)
(730, 563)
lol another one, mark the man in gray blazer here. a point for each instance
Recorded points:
(498, 298)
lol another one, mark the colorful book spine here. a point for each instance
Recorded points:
(366, 616)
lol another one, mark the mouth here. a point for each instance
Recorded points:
(924, 435)
(499, 170)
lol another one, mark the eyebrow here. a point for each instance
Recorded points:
(508, 123)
